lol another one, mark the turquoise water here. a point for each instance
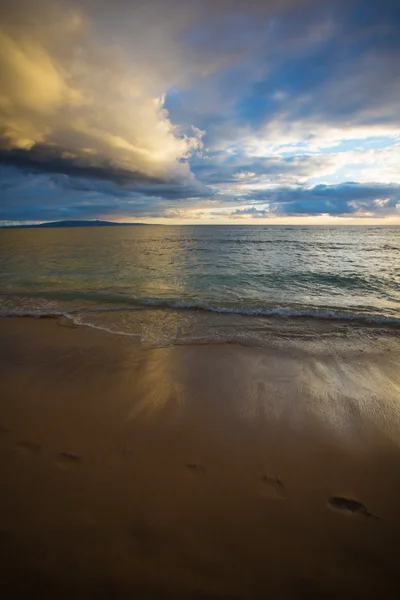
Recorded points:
(325, 272)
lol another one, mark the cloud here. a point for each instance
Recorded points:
(240, 170)
(175, 109)
(253, 212)
(72, 100)
(313, 76)
(87, 80)
(346, 199)
(52, 196)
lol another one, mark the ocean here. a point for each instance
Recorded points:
(176, 284)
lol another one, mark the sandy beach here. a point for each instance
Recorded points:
(197, 471)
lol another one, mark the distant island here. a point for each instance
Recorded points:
(72, 224)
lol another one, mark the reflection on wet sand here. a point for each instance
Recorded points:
(212, 471)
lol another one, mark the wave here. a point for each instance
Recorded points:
(268, 311)
(274, 279)
(117, 303)
(315, 245)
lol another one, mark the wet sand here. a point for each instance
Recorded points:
(209, 471)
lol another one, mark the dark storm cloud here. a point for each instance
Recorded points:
(50, 159)
(42, 196)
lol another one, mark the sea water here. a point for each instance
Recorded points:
(175, 283)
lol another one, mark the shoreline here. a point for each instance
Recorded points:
(244, 330)
(198, 471)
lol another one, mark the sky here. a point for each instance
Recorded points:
(200, 111)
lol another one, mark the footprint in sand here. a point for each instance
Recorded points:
(272, 487)
(196, 468)
(261, 388)
(68, 459)
(349, 506)
(125, 452)
(28, 447)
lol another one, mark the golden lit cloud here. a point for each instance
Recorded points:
(82, 98)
